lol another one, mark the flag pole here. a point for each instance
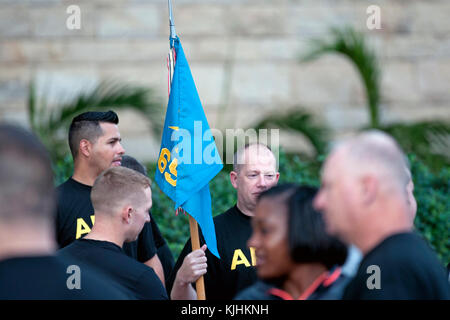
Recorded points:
(173, 33)
(195, 242)
(193, 225)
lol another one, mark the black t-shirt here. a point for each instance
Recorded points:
(75, 218)
(408, 270)
(135, 278)
(235, 270)
(46, 278)
(162, 249)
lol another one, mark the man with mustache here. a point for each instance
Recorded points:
(254, 171)
(95, 144)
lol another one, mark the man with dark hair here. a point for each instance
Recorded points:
(28, 267)
(295, 257)
(86, 126)
(255, 170)
(95, 144)
(163, 250)
(364, 200)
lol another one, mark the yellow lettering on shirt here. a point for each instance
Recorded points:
(82, 227)
(253, 256)
(239, 258)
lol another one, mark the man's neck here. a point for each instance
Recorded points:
(245, 210)
(390, 216)
(369, 242)
(84, 174)
(105, 232)
(33, 240)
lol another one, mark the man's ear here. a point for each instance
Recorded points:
(85, 147)
(127, 213)
(369, 189)
(233, 178)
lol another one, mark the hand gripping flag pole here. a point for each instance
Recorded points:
(183, 180)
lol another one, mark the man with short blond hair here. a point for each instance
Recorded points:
(122, 199)
(163, 251)
(114, 187)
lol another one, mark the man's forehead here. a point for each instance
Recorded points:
(256, 155)
(260, 163)
(110, 129)
(264, 168)
(332, 164)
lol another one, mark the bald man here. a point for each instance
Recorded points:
(254, 171)
(364, 202)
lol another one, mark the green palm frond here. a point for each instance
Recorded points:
(429, 140)
(50, 124)
(351, 44)
(299, 121)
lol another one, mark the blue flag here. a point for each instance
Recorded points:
(188, 158)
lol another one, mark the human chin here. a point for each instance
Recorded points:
(329, 227)
(268, 272)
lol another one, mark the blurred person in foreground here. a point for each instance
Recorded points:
(296, 258)
(354, 257)
(364, 202)
(29, 268)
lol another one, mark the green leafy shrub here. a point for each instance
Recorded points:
(432, 193)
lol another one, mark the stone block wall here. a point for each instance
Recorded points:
(243, 56)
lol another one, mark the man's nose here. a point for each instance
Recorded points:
(121, 149)
(318, 201)
(262, 181)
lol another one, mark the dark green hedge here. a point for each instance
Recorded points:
(431, 191)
